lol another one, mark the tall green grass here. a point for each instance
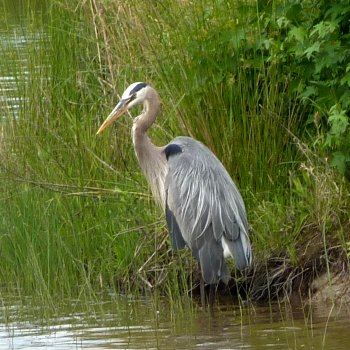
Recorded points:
(76, 212)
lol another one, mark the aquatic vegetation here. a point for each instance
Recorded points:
(76, 213)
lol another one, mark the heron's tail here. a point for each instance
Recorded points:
(242, 251)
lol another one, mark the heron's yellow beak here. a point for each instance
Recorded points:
(117, 112)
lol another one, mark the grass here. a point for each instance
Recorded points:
(76, 213)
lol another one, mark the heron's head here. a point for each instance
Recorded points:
(135, 94)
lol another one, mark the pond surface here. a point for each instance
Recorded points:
(17, 38)
(120, 322)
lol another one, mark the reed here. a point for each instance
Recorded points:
(77, 214)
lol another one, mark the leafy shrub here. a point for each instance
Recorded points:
(311, 41)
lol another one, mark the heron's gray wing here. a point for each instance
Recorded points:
(177, 241)
(207, 206)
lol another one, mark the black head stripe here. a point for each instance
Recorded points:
(137, 88)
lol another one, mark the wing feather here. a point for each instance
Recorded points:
(177, 241)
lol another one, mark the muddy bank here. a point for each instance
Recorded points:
(330, 288)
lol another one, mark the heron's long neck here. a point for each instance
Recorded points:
(150, 157)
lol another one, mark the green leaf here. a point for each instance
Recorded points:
(339, 121)
(309, 91)
(344, 99)
(330, 55)
(346, 78)
(339, 161)
(324, 28)
(314, 48)
(298, 33)
(293, 12)
(282, 22)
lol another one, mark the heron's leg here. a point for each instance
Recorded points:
(202, 291)
(201, 287)
(212, 291)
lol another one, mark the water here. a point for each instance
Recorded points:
(125, 323)
(15, 42)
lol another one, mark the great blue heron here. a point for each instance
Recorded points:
(203, 207)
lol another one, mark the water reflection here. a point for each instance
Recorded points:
(17, 38)
(122, 323)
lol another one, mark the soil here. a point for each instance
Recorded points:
(331, 288)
